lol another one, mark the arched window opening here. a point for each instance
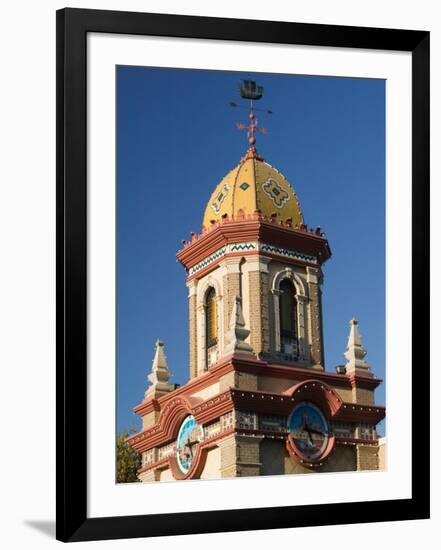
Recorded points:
(211, 327)
(288, 318)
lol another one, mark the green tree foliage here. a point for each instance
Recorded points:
(128, 461)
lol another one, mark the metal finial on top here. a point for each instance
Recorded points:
(249, 90)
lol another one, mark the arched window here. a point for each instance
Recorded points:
(288, 318)
(211, 327)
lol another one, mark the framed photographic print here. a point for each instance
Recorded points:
(242, 274)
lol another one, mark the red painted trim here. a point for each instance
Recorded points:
(167, 427)
(196, 384)
(258, 229)
(313, 390)
(209, 443)
(158, 464)
(198, 463)
(356, 441)
(172, 415)
(245, 363)
(368, 414)
(274, 370)
(330, 403)
(364, 382)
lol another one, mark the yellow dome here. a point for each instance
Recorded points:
(253, 185)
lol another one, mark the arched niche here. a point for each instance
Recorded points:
(205, 287)
(301, 298)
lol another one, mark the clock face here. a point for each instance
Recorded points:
(309, 430)
(190, 434)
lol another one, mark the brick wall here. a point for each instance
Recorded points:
(272, 457)
(231, 285)
(193, 357)
(239, 380)
(367, 457)
(362, 396)
(149, 476)
(259, 311)
(149, 419)
(240, 456)
(342, 459)
(315, 324)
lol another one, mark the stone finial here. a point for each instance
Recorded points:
(237, 333)
(355, 353)
(160, 374)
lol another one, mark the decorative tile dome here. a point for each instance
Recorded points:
(253, 185)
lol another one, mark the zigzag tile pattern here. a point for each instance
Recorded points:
(242, 246)
(212, 258)
(286, 252)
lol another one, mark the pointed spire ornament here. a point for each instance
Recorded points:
(237, 333)
(356, 353)
(160, 374)
(252, 92)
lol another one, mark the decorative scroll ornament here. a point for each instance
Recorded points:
(216, 205)
(275, 192)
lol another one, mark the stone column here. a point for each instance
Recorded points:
(231, 289)
(276, 318)
(315, 317)
(192, 325)
(201, 352)
(302, 302)
(258, 290)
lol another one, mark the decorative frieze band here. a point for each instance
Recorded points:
(250, 246)
(211, 258)
(254, 422)
(287, 253)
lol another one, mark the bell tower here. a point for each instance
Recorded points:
(255, 245)
(259, 400)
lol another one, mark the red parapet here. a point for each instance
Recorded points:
(253, 227)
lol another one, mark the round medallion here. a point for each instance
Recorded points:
(309, 431)
(190, 434)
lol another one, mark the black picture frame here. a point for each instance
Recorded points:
(71, 428)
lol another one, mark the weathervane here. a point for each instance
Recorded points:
(249, 90)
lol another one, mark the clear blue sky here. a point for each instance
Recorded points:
(176, 139)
